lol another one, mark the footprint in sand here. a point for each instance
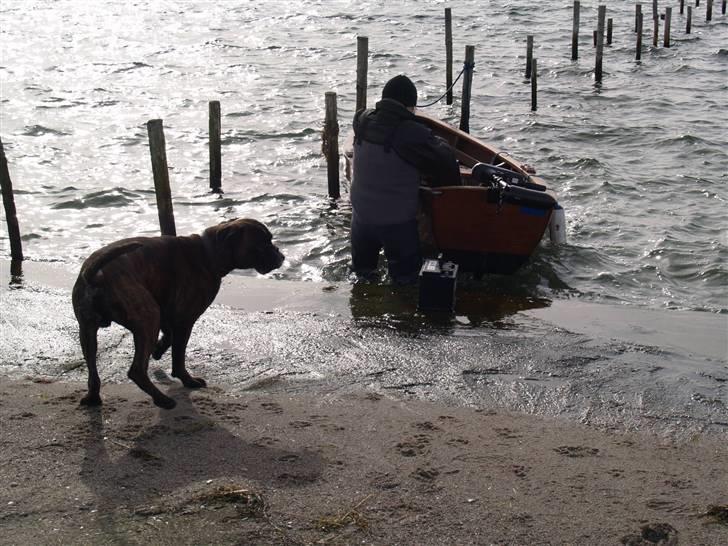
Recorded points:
(577, 451)
(426, 474)
(272, 407)
(414, 446)
(508, 433)
(300, 424)
(426, 425)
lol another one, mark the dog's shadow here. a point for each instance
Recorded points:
(128, 462)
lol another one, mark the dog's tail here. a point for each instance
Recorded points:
(100, 258)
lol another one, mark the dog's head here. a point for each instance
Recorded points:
(244, 243)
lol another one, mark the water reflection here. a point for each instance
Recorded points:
(476, 304)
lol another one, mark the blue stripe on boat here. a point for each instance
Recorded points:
(533, 212)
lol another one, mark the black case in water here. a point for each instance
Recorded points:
(437, 286)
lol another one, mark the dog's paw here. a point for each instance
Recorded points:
(191, 382)
(165, 402)
(195, 383)
(91, 400)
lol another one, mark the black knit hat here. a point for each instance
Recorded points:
(401, 89)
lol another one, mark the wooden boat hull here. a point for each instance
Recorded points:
(480, 230)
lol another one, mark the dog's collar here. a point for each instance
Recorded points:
(212, 258)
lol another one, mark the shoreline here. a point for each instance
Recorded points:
(325, 424)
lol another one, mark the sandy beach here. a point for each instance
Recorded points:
(373, 455)
(360, 469)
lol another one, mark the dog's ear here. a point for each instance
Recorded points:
(228, 233)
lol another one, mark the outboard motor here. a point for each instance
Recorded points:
(493, 176)
(557, 226)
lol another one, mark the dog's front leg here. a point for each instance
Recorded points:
(180, 337)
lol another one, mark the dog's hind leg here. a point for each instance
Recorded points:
(87, 334)
(163, 344)
(180, 337)
(146, 331)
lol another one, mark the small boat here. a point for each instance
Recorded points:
(495, 219)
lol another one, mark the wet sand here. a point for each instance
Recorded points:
(325, 423)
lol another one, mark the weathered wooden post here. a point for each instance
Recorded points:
(16, 247)
(362, 66)
(668, 17)
(697, 3)
(722, 6)
(330, 144)
(600, 43)
(655, 24)
(682, 7)
(609, 31)
(157, 149)
(594, 37)
(534, 85)
(689, 25)
(529, 55)
(575, 33)
(467, 86)
(448, 54)
(640, 20)
(215, 152)
(709, 11)
(637, 11)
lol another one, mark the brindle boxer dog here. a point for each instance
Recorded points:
(152, 283)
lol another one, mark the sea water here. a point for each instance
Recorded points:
(639, 162)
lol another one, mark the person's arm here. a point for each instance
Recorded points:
(432, 156)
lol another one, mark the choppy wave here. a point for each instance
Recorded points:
(639, 161)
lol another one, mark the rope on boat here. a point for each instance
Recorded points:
(466, 66)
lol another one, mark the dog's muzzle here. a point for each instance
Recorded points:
(272, 259)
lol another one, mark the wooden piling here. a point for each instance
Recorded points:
(529, 55)
(655, 31)
(697, 3)
(655, 12)
(638, 54)
(362, 67)
(467, 87)
(689, 25)
(709, 11)
(16, 247)
(575, 33)
(668, 17)
(600, 43)
(157, 149)
(637, 13)
(330, 144)
(215, 151)
(682, 7)
(448, 54)
(609, 31)
(594, 37)
(722, 7)
(534, 85)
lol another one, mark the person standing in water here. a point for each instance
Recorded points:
(392, 152)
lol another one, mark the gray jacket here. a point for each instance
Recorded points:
(392, 152)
